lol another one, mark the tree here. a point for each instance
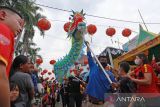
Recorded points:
(32, 50)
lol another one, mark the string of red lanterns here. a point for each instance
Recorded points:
(44, 24)
(92, 29)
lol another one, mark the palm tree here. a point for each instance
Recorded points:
(32, 50)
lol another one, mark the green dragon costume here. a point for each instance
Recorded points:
(77, 29)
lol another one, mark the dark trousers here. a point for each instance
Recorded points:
(53, 102)
(75, 98)
(65, 100)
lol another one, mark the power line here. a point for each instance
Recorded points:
(96, 25)
(101, 17)
(52, 7)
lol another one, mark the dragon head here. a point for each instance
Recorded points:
(77, 26)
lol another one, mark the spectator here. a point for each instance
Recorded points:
(155, 66)
(11, 24)
(64, 93)
(58, 92)
(45, 99)
(125, 84)
(75, 96)
(52, 95)
(21, 65)
(34, 75)
(16, 101)
(146, 80)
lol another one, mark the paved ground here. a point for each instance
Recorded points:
(60, 105)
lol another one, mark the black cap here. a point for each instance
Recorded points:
(11, 9)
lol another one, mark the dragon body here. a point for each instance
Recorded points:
(76, 32)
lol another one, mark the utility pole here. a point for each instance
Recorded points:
(142, 19)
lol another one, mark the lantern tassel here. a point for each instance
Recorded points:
(129, 40)
(91, 39)
(112, 41)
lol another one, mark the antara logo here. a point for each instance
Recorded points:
(130, 99)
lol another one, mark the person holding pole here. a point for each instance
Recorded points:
(99, 80)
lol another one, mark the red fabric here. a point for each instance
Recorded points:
(155, 65)
(6, 46)
(53, 87)
(146, 88)
(45, 97)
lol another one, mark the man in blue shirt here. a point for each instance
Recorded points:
(98, 83)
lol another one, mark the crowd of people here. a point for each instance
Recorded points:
(19, 78)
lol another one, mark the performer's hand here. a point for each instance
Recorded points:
(130, 77)
(87, 44)
(87, 49)
(131, 73)
(114, 85)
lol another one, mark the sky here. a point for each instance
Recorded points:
(54, 45)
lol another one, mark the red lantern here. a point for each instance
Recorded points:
(81, 69)
(45, 71)
(71, 70)
(85, 62)
(39, 61)
(91, 29)
(75, 71)
(44, 24)
(49, 73)
(52, 62)
(42, 73)
(66, 26)
(76, 63)
(110, 31)
(46, 79)
(126, 32)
